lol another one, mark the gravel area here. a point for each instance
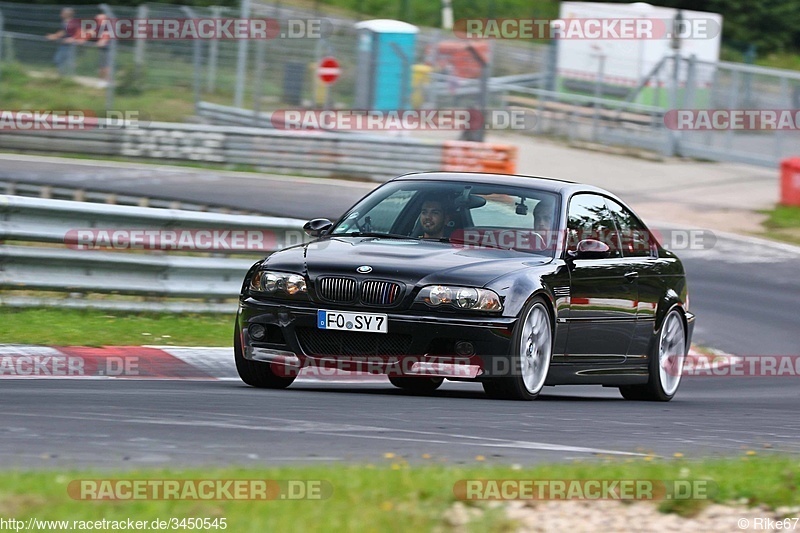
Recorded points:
(614, 516)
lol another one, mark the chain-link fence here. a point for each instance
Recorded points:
(445, 72)
(24, 32)
(718, 101)
(252, 74)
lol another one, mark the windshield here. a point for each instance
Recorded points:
(471, 214)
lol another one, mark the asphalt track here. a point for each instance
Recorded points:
(120, 423)
(269, 195)
(744, 292)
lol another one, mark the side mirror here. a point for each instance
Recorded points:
(317, 227)
(590, 249)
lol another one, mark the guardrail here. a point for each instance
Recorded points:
(226, 115)
(325, 154)
(588, 118)
(72, 263)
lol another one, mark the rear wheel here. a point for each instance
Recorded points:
(416, 384)
(255, 373)
(530, 356)
(666, 363)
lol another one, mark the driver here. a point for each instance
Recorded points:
(433, 218)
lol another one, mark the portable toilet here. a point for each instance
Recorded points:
(386, 54)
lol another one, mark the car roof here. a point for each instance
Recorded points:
(563, 187)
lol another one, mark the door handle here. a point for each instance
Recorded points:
(630, 276)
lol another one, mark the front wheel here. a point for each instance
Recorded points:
(530, 356)
(255, 373)
(665, 365)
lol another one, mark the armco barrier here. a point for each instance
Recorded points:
(326, 154)
(162, 274)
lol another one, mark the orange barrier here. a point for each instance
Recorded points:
(790, 181)
(466, 156)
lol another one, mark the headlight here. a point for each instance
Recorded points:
(460, 297)
(278, 283)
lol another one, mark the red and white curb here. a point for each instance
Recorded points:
(138, 362)
(176, 362)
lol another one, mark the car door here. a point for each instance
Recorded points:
(603, 293)
(638, 247)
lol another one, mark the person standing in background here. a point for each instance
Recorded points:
(64, 57)
(101, 39)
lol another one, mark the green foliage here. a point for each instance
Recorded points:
(783, 223)
(391, 495)
(105, 328)
(130, 80)
(770, 25)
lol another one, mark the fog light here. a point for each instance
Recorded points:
(464, 348)
(257, 331)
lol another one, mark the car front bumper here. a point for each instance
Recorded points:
(415, 345)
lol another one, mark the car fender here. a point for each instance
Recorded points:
(518, 288)
(670, 299)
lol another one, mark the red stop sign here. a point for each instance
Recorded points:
(328, 70)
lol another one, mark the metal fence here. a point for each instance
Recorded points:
(260, 76)
(738, 87)
(248, 74)
(40, 260)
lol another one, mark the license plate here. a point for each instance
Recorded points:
(365, 322)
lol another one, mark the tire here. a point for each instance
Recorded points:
(255, 373)
(665, 364)
(531, 352)
(416, 384)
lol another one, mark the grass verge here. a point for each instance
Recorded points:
(20, 90)
(783, 223)
(387, 497)
(67, 327)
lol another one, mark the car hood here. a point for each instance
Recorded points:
(408, 260)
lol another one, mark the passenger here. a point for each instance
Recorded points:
(543, 217)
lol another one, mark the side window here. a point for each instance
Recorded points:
(635, 238)
(589, 218)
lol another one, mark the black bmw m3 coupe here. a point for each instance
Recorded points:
(515, 282)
